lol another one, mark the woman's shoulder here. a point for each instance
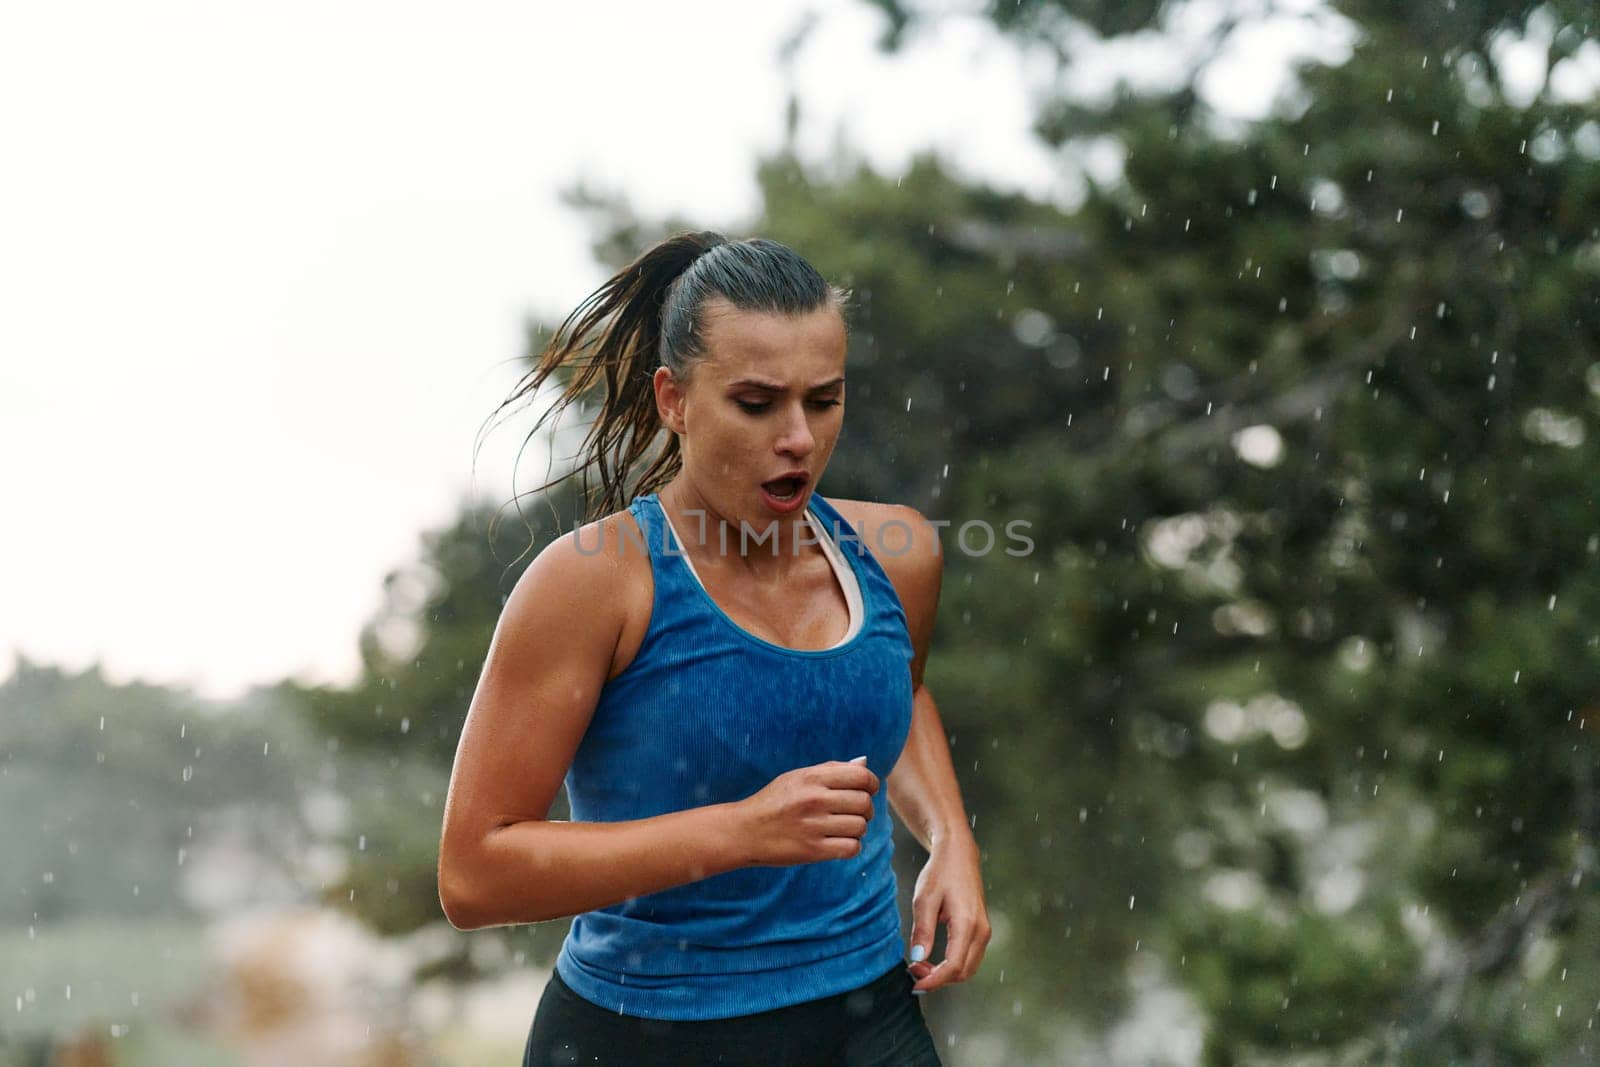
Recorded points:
(600, 570)
(591, 558)
(867, 512)
(878, 519)
(900, 538)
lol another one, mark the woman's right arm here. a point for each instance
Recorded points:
(500, 860)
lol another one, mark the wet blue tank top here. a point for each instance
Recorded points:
(708, 713)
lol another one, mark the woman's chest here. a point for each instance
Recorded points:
(701, 727)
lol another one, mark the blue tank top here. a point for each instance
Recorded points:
(708, 713)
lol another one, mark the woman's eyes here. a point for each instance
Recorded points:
(756, 409)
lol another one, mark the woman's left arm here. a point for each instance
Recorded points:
(924, 792)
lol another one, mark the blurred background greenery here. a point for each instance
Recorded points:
(1280, 743)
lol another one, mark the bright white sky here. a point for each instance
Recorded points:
(265, 268)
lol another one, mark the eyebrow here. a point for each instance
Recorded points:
(779, 387)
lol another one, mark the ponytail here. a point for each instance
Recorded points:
(645, 316)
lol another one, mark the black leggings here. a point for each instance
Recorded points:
(879, 1024)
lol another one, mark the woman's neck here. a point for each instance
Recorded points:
(770, 547)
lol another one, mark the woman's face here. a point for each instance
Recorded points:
(767, 399)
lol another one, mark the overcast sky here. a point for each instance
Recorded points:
(265, 267)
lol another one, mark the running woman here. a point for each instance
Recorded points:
(725, 669)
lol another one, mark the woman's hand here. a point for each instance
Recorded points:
(949, 891)
(809, 814)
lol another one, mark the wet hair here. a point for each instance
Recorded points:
(651, 314)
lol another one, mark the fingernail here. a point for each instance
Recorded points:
(917, 952)
(919, 992)
(859, 759)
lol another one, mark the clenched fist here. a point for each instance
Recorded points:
(810, 813)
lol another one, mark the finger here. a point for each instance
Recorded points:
(845, 825)
(848, 848)
(980, 946)
(924, 924)
(861, 781)
(944, 972)
(850, 802)
(949, 969)
(861, 761)
(962, 948)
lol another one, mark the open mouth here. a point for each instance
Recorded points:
(784, 488)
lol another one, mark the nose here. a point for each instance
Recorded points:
(796, 440)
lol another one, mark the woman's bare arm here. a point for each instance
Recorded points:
(924, 792)
(922, 786)
(500, 860)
